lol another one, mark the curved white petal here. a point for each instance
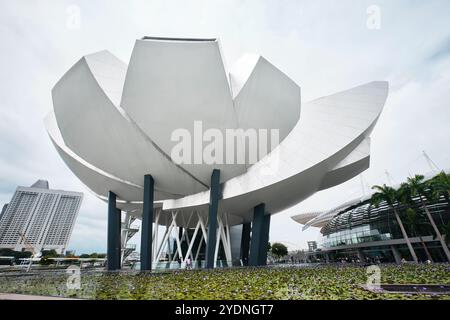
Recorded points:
(303, 218)
(241, 71)
(172, 83)
(355, 163)
(94, 126)
(97, 180)
(265, 98)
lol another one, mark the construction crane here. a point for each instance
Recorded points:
(29, 247)
(434, 168)
(389, 177)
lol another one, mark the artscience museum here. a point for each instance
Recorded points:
(120, 128)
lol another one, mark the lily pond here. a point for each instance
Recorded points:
(308, 282)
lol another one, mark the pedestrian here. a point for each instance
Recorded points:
(188, 263)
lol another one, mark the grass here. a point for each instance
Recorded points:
(322, 282)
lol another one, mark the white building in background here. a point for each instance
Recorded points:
(40, 218)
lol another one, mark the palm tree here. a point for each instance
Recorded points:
(390, 196)
(441, 186)
(424, 191)
(405, 195)
(417, 229)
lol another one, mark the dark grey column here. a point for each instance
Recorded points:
(264, 241)
(113, 232)
(119, 238)
(245, 242)
(257, 229)
(214, 195)
(147, 224)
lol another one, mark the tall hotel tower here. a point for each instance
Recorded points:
(40, 218)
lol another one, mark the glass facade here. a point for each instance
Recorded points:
(350, 229)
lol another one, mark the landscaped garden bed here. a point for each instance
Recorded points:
(320, 282)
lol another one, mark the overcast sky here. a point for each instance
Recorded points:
(325, 46)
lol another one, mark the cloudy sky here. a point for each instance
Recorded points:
(325, 46)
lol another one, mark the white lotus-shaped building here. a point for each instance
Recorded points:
(113, 124)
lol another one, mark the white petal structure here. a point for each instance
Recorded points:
(112, 124)
(264, 97)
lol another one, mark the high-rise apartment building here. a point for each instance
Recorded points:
(39, 217)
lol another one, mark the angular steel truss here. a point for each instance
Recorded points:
(161, 245)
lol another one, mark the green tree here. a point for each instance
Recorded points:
(392, 197)
(49, 254)
(441, 186)
(279, 250)
(418, 228)
(415, 222)
(447, 232)
(424, 190)
(45, 261)
(15, 254)
(5, 252)
(46, 257)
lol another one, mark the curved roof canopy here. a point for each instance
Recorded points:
(320, 218)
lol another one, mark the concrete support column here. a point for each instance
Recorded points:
(397, 257)
(119, 238)
(257, 230)
(113, 243)
(147, 224)
(264, 241)
(245, 242)
(214, 195)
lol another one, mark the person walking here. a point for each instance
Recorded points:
(188, 263)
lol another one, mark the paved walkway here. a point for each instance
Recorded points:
(14, 296)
